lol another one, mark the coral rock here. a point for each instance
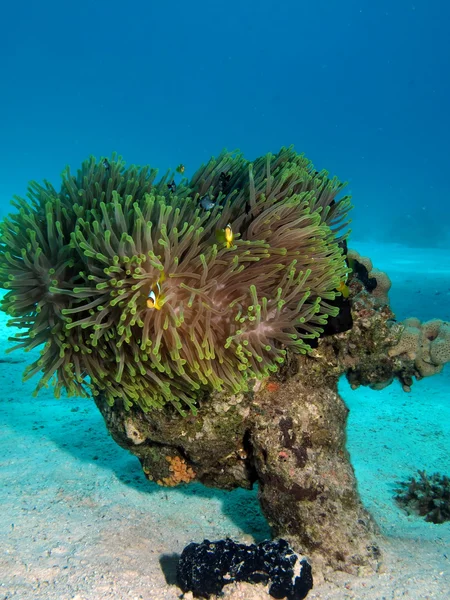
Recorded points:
(427, 344)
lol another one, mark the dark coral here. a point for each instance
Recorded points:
(205, 568)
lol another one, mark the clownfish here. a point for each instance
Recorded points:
(344, 289)
(155, 298)
(226, 235)
(229, 236)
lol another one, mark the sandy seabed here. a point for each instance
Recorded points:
(78, 520)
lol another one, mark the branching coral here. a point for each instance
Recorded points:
(127, 287)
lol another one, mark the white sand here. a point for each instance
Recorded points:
(79, 521)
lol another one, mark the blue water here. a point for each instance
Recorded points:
(361, 87)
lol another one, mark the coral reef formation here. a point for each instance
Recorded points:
(427, 496)
(288, 434)
(427, 344)
(228, 295)
(206, 568)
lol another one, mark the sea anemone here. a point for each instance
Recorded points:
(134, 295)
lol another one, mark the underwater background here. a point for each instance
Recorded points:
(362, 88)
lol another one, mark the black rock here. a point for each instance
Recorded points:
(205, 568)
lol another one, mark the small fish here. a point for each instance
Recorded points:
(172, 186)
(180, 169)
(106, 165)
(152, 301)
(344, 289)
(229, 235)
(206, 203)
(226, 236)
(155, 297)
